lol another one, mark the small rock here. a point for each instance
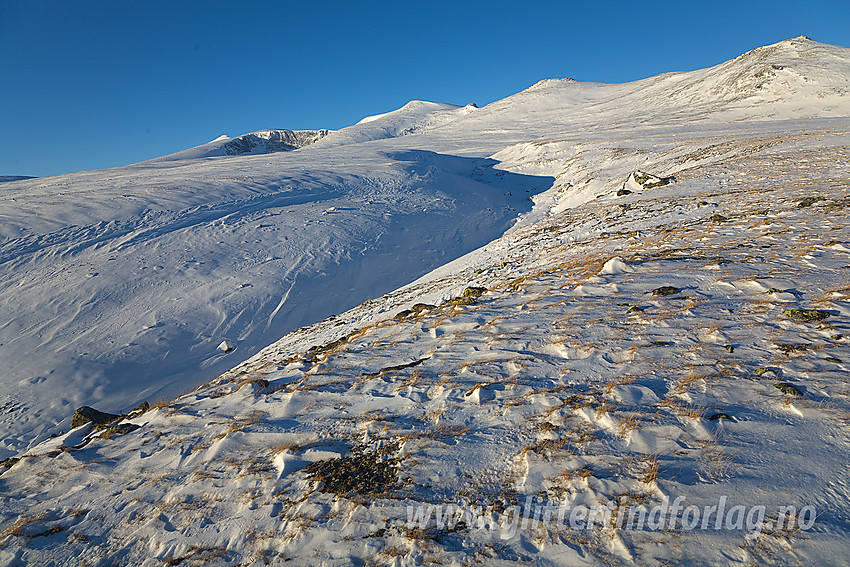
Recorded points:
(141, 408)
(716, 416)
(473, 291)
(461, 301)
(730, 348)
(837, 337)
(787, 388)
(634, 309)
(717, 217)
(806, 314)
(808, 202)
(648, 180)
(762, 371)
(702, 204)
(666, 290)
(226, 346)
(415, 310)
(623, 192)
(86, 415)
(833, 359)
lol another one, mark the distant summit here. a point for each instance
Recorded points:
(415, 116)
(270, 141)
(260, 142)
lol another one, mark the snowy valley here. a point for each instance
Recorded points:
(583, 296)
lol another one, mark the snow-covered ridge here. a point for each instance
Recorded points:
(7, 178)
(793, 79)
(254, 143)
(415, 116)
(784, 72)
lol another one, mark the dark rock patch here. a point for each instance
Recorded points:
(473, 291)
(87, 414)
(455, 301)
(808, 202)
(665, 291)
(360, 473)
(787, 388)
(806, 314)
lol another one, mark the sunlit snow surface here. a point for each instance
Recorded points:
(120, 285)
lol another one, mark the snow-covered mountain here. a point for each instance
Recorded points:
(415, 116)
(584, 293)
(261, 142)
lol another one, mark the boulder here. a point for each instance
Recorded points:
(666, 290)
(86, 415)
(806, 314)
(473, 291)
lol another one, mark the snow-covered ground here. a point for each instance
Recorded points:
(119, 285)
(633, 338)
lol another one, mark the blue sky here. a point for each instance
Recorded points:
(89, 84)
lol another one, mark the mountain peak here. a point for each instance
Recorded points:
(259, 142)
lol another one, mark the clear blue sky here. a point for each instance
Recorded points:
(94, 84)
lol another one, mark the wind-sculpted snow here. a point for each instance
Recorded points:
(118, 286)
(630, 353)
(638, 292)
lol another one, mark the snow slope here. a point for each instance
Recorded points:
(415, 116)
(567, 379)
(131, 277)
